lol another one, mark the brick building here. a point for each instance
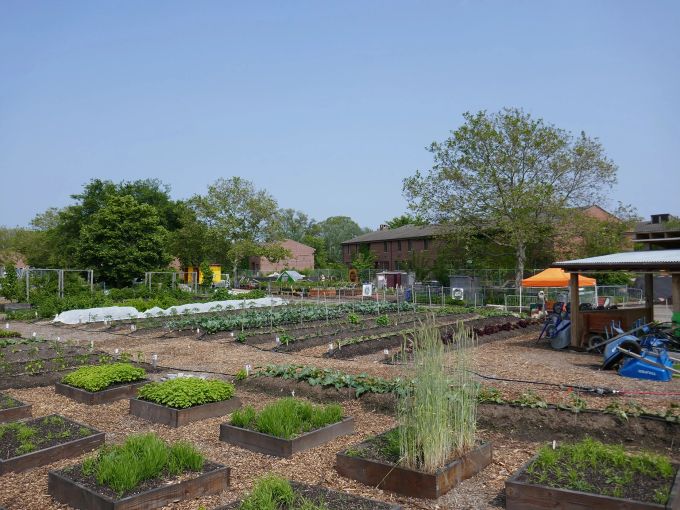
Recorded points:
(662, 231)
(393, 248)
(302, 257)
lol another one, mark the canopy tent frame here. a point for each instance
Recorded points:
(647, 263)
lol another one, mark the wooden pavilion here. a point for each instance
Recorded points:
(645, 262)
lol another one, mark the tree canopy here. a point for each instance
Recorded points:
(506, 176)
(122, 240)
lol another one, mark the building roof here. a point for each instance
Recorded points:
(393, 234)
(648, 226)
(649, 260)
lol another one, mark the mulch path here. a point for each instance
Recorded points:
(516, 357)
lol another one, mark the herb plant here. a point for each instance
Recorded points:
(272, 492)
(287, 418)
(141, 457)
(185, 392)
(591, 466)
(100, 377)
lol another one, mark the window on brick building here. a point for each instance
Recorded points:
(385, 246)
(426, 244)
(410, 245)
(398, 245)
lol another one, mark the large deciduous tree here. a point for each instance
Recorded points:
(238, 217)
(295, 225)
(334, 231)
(506, 176)
(123, 240)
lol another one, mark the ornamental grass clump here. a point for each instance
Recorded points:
(185, 392)
(437, 413)
(141, 457)
(287, 418)
(272, 492)
(100, 377)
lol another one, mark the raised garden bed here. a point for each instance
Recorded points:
(602, 486)
(285, 427)
(101, 384)
(111, 394)
(330, 499)
(173, 417)
(180, 401)
(52, 438)
(12, 409)
(88, 486)
(389, 476)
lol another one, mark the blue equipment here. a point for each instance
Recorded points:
(644, 357)
(557, 327)
(655, 366)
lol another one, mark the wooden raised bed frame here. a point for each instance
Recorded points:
(172, 417)
(279, 447)
(16, 413)
(529, 496)
(104, 396)
(53, 453)
(67, 491)
(409, 482)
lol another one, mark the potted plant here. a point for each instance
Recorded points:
(143, 472)
(101, 384)
(590, 474)
(179, 401)
(434, 446)
(285, 427)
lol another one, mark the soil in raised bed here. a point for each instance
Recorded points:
(641, 488)
(334, 500)
(48, 432)
(76, 474)
(7, 402)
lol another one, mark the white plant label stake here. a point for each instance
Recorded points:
(6, 325)
(154, 360)
(278, 341)
(115, 353)
(91, 345)
(249, 368)
(330, 347)
(34, 334)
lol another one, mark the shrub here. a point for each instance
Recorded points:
(287, 418)
(186, 392)
(99, 377)
(141, 457)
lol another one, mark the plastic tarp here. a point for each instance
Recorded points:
(112, 313)
(556, 277)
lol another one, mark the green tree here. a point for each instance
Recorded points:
(233, 211)
(123, 240)
(506, 176)
(364, 259)
(403, 220)
(334, 231)
(10, 283)
(189, 243)
(294, 225)
(207, 273)
(320, 252)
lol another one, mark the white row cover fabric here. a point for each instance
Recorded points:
(113, 313)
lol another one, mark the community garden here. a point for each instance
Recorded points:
(324, 405)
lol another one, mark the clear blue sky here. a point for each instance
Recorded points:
(328, 105)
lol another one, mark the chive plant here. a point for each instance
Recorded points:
(437, 413)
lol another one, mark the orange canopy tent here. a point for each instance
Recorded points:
(556, 277)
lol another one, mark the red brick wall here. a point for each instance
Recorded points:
(388, 259)
(302, 257)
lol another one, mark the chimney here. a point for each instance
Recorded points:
(384, 227)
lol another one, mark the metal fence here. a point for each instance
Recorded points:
(617, 295)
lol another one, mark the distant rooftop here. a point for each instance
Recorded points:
(393, 234)
(662, 230)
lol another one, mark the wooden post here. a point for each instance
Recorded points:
(576, 319)
(649, 297)
(675, 284)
